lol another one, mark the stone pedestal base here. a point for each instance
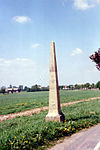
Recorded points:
(55, 117)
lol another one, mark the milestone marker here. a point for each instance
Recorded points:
(54, 113)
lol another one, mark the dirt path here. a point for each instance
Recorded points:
(38, 110)
(86, 139)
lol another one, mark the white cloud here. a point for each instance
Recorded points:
(15, 66)
(21, 19)
(83, 4)
(22, 71)
(35, 45)
(17, 71)
(77, 51)
(98, 1)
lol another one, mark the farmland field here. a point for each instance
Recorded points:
(11, 103)
(32, 132)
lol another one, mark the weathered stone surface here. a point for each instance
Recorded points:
(54, 113)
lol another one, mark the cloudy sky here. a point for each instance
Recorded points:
(28, 26)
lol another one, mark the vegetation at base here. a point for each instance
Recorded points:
(17, 102)
(32, 132)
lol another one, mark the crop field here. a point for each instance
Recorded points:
(11, 103)
(33, 133)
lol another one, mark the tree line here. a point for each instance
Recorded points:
(81, 86)
(33, 88)
(36, 87)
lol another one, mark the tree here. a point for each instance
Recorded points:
(83, 86)
(61, 87)
(45, 89)
(92, 85)
(3, 88)
(87, 85)
(34, 88)
(77, 86)
(26, 89)
(98, 85)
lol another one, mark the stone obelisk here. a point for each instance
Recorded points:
(54, 113)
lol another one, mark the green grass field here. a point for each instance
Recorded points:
(33, 133)
(11, 103)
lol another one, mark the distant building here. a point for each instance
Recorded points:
(65, 88)
(12, 90)
(39, 86)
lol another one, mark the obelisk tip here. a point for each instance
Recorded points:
(52, 42)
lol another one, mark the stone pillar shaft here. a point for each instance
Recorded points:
(54, 113)
(54, 102)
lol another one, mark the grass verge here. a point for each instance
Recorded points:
(32, 132)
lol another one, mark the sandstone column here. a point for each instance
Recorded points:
(54, 113)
